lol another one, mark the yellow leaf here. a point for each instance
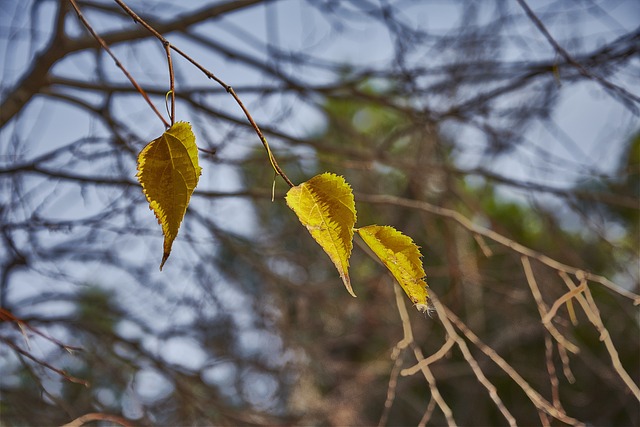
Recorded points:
(324, 204)
(402, 257)
(168, 171)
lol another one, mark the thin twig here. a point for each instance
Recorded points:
(87, 418)
(391, 390)
(566, 368)
(486, 250)
(540, 402)
(427, 413)
(542, 309)
(408, 337)
(569, 59)
(6, 315)
(167, 48)
(544, 419)
(591, 310)
(212, 76)
(29, 369)
(60, 372)
(442, 352)
(551, 370)
(562, 300)
(462, 345)
(113, 56)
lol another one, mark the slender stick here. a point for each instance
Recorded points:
(417, 352)
(565, 55)
(542, 308)
(473, 363)
(212, 76)
(6, 315)
(566, 298)
(591, 310)
(112, 55)
(391, 391)
(94, 416)
(40, 362)
(442, 352)
(540, 402)
(167, 47)
(551, 370)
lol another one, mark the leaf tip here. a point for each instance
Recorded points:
(165, 257)
(347, 284)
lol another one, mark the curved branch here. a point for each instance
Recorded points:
(627, 97)
(60, 46)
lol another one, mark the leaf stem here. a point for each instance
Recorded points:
(172, 89)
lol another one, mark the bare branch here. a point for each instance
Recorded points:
(591, 310)
(540, 402)
(104, 46)
(630, 99)
(96, 416)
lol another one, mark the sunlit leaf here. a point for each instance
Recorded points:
(324, 204)
(402, 257)
(168, 171)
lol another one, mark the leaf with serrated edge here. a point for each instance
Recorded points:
(325, 205)
(402, 257)
(168, 171)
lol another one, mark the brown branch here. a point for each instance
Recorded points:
(442, 352)
(104, 46)
(480, 376)
(569, 59)
(591, 310)
(210, 75)
(427, 413)
(540, 402)
(60, 46)
(408, 340)
(567, 193)
(542, 308)
(87, 418)
(60, 372)
(167, 47)
(553, 376)
(244, 109)
(6, 315)
(391, 389)
(562, 300)
(566, 368)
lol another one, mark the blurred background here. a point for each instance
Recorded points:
(502, 136)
